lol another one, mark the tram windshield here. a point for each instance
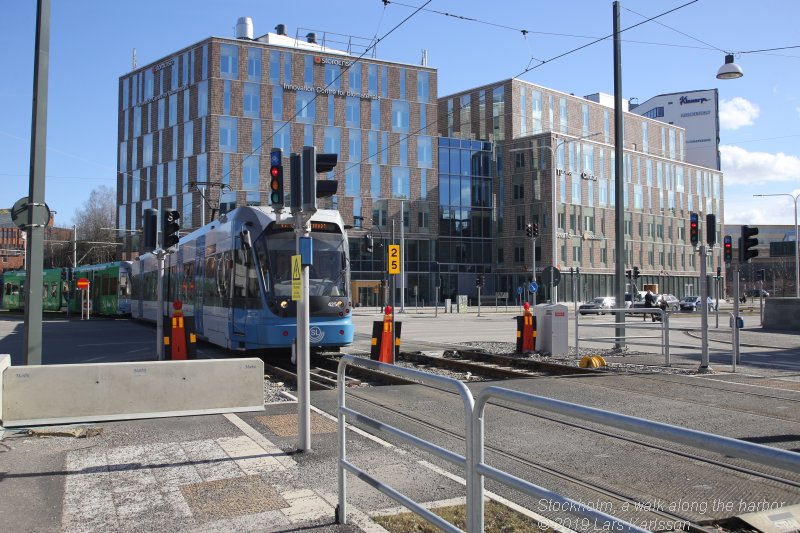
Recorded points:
(327, 276)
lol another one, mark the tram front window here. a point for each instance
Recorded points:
(327, 276)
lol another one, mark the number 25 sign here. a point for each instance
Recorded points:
(394, 259)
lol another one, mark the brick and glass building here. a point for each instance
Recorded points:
(202, 121)
(553, 165)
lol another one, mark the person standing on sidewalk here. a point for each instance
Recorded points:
(648, 304)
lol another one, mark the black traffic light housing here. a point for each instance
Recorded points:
(368, 243)
(711, 229)
(529, 230)
(149, 230)
(276, 179)
(479, 280)
(727, 248)
(694, 229)
(635, 272)
(170, 224)
(311, 189)
(535, 229)
(747, 244)
(628, 273)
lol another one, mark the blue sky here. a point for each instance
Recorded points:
(92, 43)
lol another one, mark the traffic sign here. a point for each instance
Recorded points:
(394, 259)
(296, 279)
(551, 271)
(533, 287)
(19, 213)
(519, 290)
(82, 284)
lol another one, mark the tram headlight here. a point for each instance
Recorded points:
(284, 304)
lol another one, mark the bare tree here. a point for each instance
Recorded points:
(97, 213)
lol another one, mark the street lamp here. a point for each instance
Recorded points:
(730, 70)
(796, 240)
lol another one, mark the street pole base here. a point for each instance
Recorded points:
(704, 370)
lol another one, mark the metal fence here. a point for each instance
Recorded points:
(662, 325)
(474, 463)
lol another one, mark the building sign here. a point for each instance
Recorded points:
(686, 100)
(319, 60)
(164, 95)
(584, 175)
(323, 90)
(162, 66)
(587, 236)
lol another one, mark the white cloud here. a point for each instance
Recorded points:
(743, 208)
(738, 112)
(750, 168)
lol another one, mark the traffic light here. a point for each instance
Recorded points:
(529, 230)
(313, 164)
(628, 273)
(479, 280)
(169, 228)
(535, 229)
(149, 230)
(711, 229)
(719, 272)
(635, 272)
(276, 179)
(368, 243)
(727, 247)
(694, 229)
(747, 245)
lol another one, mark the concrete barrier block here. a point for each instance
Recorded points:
(59, 394)
(782, 313)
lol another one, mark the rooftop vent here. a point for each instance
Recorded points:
(280, 29)
(311, 37)
(244, 28)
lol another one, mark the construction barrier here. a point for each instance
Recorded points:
(526, 331)
(181, 343)
(381, 344)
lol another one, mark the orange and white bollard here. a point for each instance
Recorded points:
(386, 355)
(177, 338)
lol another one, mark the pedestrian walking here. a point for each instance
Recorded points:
(649, 300)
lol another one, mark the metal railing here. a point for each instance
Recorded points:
(452, 457)
(638, 311)
(476, 469)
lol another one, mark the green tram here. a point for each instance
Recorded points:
(109, 288)
(53, 290)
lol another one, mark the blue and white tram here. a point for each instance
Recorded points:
(234, 277)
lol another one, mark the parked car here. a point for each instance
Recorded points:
(637, 299)
(598, 305)
(673, 304)
(755, 293)
(690, 303)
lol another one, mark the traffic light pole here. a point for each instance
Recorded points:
(160, 255)
(303, 345)
(533, 248)
(704, 316)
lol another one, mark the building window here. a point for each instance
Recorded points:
(352, 112)
(277, 103)
(498, 113)
(401, 185)
(332, 140)
(254, 64)
(252, 100)
(227, 134)
(400, 116)
(563, 121)
(372, 79)
(229, 61)
(585, 119)
(305, 107)
(188, 139)
(354, 146)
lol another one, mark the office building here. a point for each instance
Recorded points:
(200, 123)
(554, 154)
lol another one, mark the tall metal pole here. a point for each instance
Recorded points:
(74, 246)
(203, 205)
(619, 183)
(303, 348)
(533, 247)
(160, 254)
(34, 252)
(704, 315)
(554, 244)
(402, 260)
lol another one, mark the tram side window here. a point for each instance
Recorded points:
(54, 289)
(187, 283)
(44, 291)
(210, 296)
(112, 286)
(8, 289)
(104, 287)
(245, 282)
(123, 284)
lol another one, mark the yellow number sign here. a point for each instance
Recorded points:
(394, 259)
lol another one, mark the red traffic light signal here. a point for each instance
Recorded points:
(727, 247)
(276, 179)
(169, 227)
(694, 229)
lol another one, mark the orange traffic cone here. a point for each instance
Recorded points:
(386, 352)
(526, 330)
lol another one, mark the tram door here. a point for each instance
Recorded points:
(239, 296)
